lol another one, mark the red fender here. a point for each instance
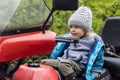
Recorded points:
(43, 72)
(28, 44)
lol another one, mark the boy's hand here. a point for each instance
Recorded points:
(97, 74)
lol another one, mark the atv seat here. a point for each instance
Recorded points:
(110, 34)
(104, 75)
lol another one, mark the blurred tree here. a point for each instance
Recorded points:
(101, 9)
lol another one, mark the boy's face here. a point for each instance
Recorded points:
(76, 31)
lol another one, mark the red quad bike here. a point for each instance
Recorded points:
(24, 32)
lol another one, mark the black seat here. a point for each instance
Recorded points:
(113, 64)
(105, 75)
(110, 34)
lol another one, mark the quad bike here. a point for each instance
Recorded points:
(25, 32)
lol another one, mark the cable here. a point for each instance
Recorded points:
(50, 14)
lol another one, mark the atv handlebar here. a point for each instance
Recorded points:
(67, 39)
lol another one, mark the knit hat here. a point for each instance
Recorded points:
(82, 17)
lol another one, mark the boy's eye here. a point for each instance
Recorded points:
(77, 26)
(71, 26)
(74, 26)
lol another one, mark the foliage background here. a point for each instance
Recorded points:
(101, 10)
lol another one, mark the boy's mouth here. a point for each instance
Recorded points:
(74, 34)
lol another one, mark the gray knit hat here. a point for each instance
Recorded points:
(82, 17)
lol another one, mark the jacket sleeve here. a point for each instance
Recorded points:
(57, 51)
(98, 64)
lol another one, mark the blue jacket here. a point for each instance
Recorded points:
(96, 56)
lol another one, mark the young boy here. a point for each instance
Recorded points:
(76, 56)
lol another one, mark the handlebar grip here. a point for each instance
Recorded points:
(67, 39)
